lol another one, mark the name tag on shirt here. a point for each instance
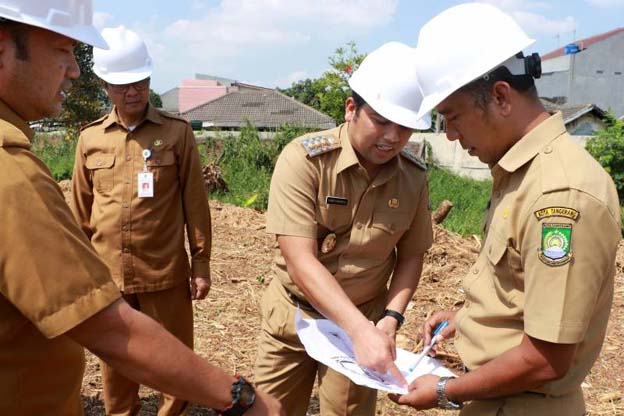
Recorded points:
(336, 200)
(146, 185)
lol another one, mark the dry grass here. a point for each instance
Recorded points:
(226, 324)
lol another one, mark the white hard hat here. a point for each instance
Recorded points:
(126, 61)
(71, 18)
(386, 79)
(461, 44)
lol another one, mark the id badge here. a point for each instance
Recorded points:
(146, 185)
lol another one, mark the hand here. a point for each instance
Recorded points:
(265, 405)
(389, 326)
(430, 325)
(200, 286)
(421, 395)
(375, 350)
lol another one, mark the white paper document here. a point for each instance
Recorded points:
(327, 343)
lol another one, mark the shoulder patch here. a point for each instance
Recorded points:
(557, 212)
(93, 123)
(415, 153)
(317, 145)
(556, 244)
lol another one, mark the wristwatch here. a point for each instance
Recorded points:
(396, 315)
(443, 401)
(243, 397)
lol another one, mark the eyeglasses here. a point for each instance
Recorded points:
(139, 86)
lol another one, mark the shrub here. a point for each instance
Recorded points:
(607, 147)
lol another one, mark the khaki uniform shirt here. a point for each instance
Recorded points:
(548, 261)
(50, 281)
(142, 239)
(319, 187)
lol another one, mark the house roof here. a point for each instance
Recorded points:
(572, 112)
(263, 108)
(584, 43)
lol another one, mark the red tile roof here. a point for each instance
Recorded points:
(583, 43)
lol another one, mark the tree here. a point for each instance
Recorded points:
(154, 99)
(607, 147)
(86, 99)
(329, 92)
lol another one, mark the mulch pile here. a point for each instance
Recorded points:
(226, 324)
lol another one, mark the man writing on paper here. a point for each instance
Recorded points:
(349, 209)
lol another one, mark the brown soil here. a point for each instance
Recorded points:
(227, 322)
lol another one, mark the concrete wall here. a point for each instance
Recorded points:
(452, 156)
(596, 75)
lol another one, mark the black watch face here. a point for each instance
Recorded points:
(247, 395)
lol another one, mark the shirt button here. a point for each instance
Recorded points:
(128, 158)
(475, 271)
(124, 228)
(359, 226)
(126, 250)
(125, 205)
(99, 163)
(548, 149)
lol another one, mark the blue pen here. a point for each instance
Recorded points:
(434, 339)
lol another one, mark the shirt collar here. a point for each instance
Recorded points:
(532, 143)
(18, 133)
(348, 158)
(152, 116)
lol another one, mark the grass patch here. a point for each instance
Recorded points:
(57, 152)
(468, 196)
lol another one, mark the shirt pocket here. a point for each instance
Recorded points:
(506, 269)
(101, 166)
(387, 229)
(163, 165)
(335, 218)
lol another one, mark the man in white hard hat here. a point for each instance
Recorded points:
(349, 208)
(539, 295)
(137, 185)
(56, 295)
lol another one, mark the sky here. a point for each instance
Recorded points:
(274, 43)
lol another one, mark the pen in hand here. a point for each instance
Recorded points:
(434, 339)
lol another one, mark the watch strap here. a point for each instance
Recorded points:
(396, 315)
(443, 401)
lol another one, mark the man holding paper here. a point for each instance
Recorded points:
(538, 297)
(349, 207)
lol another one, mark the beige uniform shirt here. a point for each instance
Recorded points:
(142, 239)
(319, 188)
(548, 261)
(50, 281)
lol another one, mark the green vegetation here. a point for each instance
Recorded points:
(247, 161)
(57, 152)
(469, 198)
(607, 147)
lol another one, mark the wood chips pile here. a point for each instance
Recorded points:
(227, 322)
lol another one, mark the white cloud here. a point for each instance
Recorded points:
(291, 78)
(101, 19)
(605, 3)
(248, 30)
(526, 13)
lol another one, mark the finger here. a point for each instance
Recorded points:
(193, 290)
(396, 374)
(394, 397)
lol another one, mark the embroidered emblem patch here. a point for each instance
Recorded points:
(555, 249)
(557, 212)
(328, 244)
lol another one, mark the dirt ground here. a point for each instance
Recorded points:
(227, 322)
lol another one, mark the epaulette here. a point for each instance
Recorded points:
(415, 153)
(317, 145)
(93, 123)
(553, 171)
